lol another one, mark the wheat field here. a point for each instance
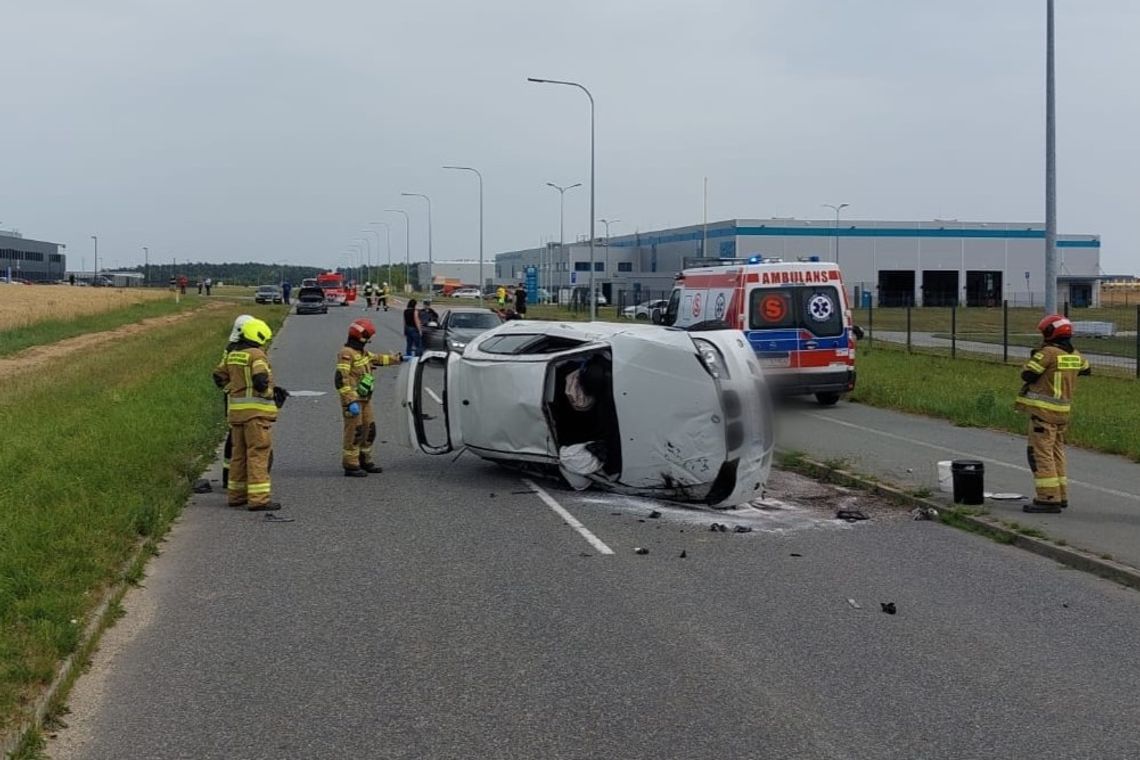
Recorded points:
(23, 305)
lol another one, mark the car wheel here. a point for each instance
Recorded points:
(827, 399)
(643, 317)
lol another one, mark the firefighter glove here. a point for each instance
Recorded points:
(279, 396)
(364, 386)
(353, 409)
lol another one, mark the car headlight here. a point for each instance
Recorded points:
(711, 358)
(458, 345)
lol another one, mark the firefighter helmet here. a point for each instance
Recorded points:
(1055, 327)
(256, 332)
(361, 330)
(235, 334)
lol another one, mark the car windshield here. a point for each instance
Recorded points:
(473, 321)
(267, 289)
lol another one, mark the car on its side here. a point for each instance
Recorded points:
(267, 294)
(570, 400)
(458, 327)
(311, 300)
(644, 310)
(466, 293)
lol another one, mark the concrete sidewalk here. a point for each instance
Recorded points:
(1104, 490)
(1016, 353)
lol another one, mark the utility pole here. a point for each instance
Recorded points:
(146, 265)
(705, 239)
(1050, 168)
(837, 209)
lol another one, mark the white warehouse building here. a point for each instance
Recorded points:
(888, 263)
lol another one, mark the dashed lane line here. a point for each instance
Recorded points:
(572, 521)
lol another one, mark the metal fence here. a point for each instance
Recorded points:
(1108, 337)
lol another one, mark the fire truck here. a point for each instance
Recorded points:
(795, 316)
(337, 292)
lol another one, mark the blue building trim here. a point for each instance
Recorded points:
(850, 232)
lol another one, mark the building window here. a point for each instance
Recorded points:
(581, 266)
(625, 266)
(599, 266)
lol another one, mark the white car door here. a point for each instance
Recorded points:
(425, 419)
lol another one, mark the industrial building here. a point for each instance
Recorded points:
(457, 272)
(888, 263)
(32, 260)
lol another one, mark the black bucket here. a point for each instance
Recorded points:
(969, 477)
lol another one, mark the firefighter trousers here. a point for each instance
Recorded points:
(1046, 452)
(359, 436)
(249, 463)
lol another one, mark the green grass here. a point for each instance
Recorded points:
(42, 333)
(99, 452)
(980, 320)
(1106, 410)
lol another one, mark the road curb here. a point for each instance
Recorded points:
(1078, 559)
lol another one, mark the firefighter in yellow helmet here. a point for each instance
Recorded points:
(354, 384)
(227, 450)
(1050, 378)
(252, 407)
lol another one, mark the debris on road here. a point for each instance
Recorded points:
(640, 550)
(794, 554)
(203, 486)
(718, 528)
(270, 517)
(851, 515)
(654, 515)
(741, 529)
(888, 607)
(683, 555)
(854, 604)
(924, 513)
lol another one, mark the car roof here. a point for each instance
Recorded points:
(471, 310)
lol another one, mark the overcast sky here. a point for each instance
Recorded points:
(277, 130)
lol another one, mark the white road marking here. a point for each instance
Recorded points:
(968, 455)
(594, 541)
(306, 393)
(435, 398)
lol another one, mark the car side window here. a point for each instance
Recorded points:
(528, 344)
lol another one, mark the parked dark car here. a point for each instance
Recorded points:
(268, 294)
(312, 301)
(457, 327)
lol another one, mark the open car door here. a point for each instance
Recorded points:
(423, 419)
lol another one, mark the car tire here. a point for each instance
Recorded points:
(642, 317)
(827, 399)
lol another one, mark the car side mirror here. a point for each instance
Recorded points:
(655, 315)
(857, 331)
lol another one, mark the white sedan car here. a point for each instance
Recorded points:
(467, 293)
(644, 310)
(635, 409)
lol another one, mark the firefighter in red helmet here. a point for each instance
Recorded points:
(1050, 378)
(354, 384)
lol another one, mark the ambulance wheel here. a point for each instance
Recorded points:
(827, 399)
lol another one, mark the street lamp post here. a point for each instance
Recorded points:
(407, 243)
(561, 221)
(593, 294)
(96, 276)
(609, 274)
(1050, 168)
(388, 239)
(430, 279)
(377, 234)
(146, 265)
(482, 284)
(837, 209)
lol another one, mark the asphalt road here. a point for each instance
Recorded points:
(444, 609)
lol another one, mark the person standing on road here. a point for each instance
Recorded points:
(501, 296)
(1050, 378)
(520, 301)
(227, 449)
(382, 300)
(368, 295)
(413, 332)
(286, 289)
(247, 378)
(354, 384)
(428, 315)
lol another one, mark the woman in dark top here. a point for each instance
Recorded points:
(413, 332)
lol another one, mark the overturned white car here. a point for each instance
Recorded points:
(636, 409)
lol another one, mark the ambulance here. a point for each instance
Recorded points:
(795, 316)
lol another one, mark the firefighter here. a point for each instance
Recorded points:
(382, 299)
(252, 407)
(227, 450)
(1050, 378)
(354, 384)
(367, 295)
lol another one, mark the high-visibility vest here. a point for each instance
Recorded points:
(1050, 396)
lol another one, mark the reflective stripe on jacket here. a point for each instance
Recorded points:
(238, 369)
(1050, 396)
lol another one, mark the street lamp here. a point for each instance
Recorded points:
(608, 222)
(430, 280)
(837, 209)
(561, 223)
(482, 284)
(146, 265)
(407, 243)
(96, 276)
(377, 234)
(388, 238)
(593, 294)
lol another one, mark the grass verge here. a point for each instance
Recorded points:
(1106, 410)
(41, 333)
(99, 453)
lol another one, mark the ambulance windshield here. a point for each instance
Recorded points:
(813, 308)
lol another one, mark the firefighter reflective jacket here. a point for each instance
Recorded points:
(353, 379)
(247, 379)
(1051, 376)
